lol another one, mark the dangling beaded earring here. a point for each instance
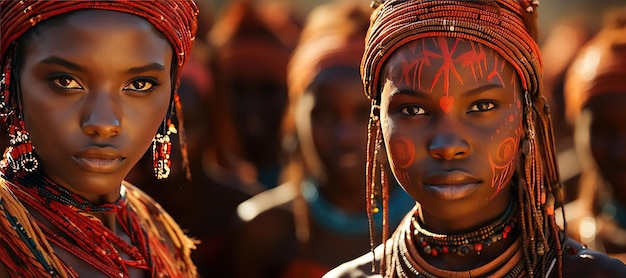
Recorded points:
(19, 156)
(161, 149)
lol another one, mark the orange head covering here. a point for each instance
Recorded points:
(599, 67)
(250, 45)
(333, 36)
(500, 25)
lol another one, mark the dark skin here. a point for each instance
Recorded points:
(258, 106)
(331, 125)
(451, 121)
(332, 128)
(95, 87)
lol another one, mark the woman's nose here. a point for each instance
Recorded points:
(101, 119)
(448, 147)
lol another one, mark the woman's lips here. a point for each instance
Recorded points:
(452, 191)
(101, 160)
(452, 185)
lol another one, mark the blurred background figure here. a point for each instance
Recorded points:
(205, 205)
(317, 218)
(254, 43)
(558, 49)
(595, 98)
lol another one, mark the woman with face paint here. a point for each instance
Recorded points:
(595, 98)
(86, 88)
(457, 114)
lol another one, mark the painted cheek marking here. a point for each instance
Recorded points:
(402, 152)
(503, 162)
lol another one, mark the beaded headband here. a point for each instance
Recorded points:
(175, 19)
(502, 28)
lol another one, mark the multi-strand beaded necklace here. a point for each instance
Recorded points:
(461, 244)
(73, 228)
(405, 259)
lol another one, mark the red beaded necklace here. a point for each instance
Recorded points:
(82, 234)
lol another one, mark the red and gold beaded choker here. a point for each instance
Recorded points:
(462, 244)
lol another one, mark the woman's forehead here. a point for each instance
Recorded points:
(449, 59)
(445, 48)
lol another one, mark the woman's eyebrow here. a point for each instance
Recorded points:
(55, 60)
(148, 67)
(480, 89)
(409, 92)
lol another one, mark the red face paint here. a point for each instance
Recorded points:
(450, 112)
(402, 152)
(503, 162)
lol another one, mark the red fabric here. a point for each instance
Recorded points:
(172, 18)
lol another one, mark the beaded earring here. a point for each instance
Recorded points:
(19, 156)
(161, 149)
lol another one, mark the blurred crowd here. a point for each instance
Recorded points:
(275, 121)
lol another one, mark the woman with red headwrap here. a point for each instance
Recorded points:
(457, 115)
(86, 88)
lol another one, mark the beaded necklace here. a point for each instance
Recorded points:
(405, 259)
(461, 244)
(80, 233)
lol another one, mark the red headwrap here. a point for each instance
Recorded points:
(501, 28)
(175, 19)
(333, 36)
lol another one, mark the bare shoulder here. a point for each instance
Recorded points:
(578, 261)
(359, 267)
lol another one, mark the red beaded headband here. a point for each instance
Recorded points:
(502, 28)
(175, 19)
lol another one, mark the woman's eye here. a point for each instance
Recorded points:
(413, 110)
(140, 85)
(482, 106)
(67, 83)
